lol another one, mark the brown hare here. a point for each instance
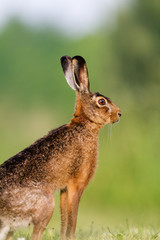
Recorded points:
(65, 159)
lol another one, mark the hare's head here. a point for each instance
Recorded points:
(92, 106)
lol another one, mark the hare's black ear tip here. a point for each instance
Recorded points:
(80, 59)
(65, 61)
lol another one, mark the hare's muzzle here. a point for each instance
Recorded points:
(119, 114)
(116, 114)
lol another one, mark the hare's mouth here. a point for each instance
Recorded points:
(115, 120)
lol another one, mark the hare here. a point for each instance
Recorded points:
(65, 160)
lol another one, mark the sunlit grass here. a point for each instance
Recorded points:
(124, 232)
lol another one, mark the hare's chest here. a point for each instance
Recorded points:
(84, 162)
(86, 170)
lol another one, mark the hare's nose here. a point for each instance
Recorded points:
(119, 114)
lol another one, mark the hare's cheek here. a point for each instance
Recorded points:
(108, 121)
(108, 112)
(108, 109)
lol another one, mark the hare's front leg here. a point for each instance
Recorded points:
(64, 212)
(70, 198)
(74, 194)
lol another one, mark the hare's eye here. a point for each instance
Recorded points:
(101, 101)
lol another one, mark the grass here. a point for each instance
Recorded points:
(124, 232)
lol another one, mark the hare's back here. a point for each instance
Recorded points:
(45, 157)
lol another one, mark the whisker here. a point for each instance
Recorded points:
(110, 132)
(109, 138)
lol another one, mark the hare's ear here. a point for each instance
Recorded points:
(80, 73)
(66, 63)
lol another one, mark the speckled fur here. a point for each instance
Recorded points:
(64, 160)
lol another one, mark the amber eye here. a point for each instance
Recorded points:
(101, 101)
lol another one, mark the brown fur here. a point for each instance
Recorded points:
(65, 159)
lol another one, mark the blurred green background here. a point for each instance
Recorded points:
(124, 64)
